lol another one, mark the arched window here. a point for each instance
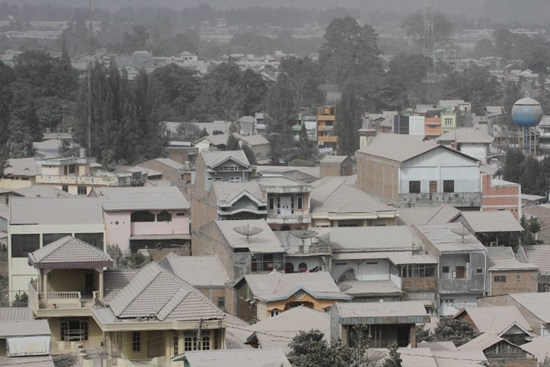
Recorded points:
(289, 268)
(302, 268)
(274, 312)
(285, 228)
(205, 343)
(164, 216)
(142, 216)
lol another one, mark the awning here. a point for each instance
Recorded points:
(154, 237)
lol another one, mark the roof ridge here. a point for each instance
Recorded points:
(159, 271)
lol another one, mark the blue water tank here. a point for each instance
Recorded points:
(527, 112)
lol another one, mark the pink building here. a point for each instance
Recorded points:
(144, 217)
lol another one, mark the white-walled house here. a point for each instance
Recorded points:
(474, 142)
(409, 172)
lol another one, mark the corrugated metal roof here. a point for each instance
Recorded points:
(492, 221)
(445, 240)
(156, 291)
(142, 198)
(539, 347)
(426, 215)
(199, 271)
(76, 210)
(503, 258)
(41, 191)
(540, 256)
(275, 285)
(536, 303)
(381, 309)
(481, 343)
(14, 314)
(495, 319)
(255, 140)
(33, 361)
(21, 167)
(24, 328)
(467, 135)
(372, 239)
(69, 252)
(333, 158)
(398, 148)
(237, 358)
(334, 195)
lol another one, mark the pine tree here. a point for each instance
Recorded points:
(305, 148)
(394, 359)
(349, 113)
(33, 123)
(232, 143)
(65, 58)
(19, 144)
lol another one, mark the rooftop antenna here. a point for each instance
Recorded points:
(365, 15)
(89, 76)
(429, 38)
(248, 231)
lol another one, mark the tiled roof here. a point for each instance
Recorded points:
(156, 291)
(69, 253)
(114, 281)
(14, 314)
(214, 157)
(237, 358)
(199, 271)
(334, 195)
(24, 328)
(142, 198)
(79, 210)
(278, 286)
(540, 256)
(492, 221)
(428, 215)
(226, 192)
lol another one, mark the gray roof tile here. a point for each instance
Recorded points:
(67, 211)
(14, 314)
(142, 198)
(237, 358)
(199, 271)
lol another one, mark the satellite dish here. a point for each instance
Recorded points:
(303, 234)
(248, 231)
(462, 232)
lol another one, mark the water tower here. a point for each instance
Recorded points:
(527, 114)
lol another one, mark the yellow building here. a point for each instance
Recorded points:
(19, 173)
(260, 296)
(326, 117)
(143, 317)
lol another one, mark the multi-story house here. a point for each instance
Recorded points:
(432, 120)
(474, 142)
(19, 173)
(409, 172)
(462, 264)
(138, 317)
(500, 195)
(36, 222)
(326, 117)
(144, 217)
(453, 113)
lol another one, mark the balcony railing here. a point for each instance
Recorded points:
(64, 300)
(456, 198)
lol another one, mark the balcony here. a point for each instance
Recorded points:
(78, 180)
(460, 199)
(288, 217)
(44, 304)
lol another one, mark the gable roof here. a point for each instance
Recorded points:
(371, 239)
(41, 191)
(445, 213)
(467, 135)
(237, 358)
(213, 158)
(536, 303)
(540, 256)
(278, 286)
(156, 291)
(229, 192)
(141, 198)
(485, 341)
(199, 271)
(444, 239)
(492, 221)
(401, 148)
(495, 319)
(21, 167)
(334, 195)
(69, 253)
(539, 347)
(377, 311)
(253, 140)
(77, 210)
(264, 242)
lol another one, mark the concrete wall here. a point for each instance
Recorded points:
(505, 196)
(478, 151)
(516, 282)
(366, 270)
(378, 177)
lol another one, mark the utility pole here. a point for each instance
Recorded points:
(365, 15)
(429, 38)
(89, 77)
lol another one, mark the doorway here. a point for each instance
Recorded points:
(285, 206)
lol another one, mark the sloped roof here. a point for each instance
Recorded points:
(249, 119)
(77, 210)
(9, 329)
(467, 135)
(540, 256)
(14, 314)
(278, 286)
(237, 358)
(265, 241)
(69, 253)
(334, 158)
(226, 192)
(428, 215)
(21, 167)
(536, 303)
(373, 287)
(482, 342)
(354, 310)
(141, 198)
(539, 347)
(445, 240)
(199, 271)
(503, 258)
(114, 280)
(334, 195)
(34, 361)
(255, 140)
(41, 191)
(156, 291)
(218, 139)
(398, 148)
(212, 158)
(492, 221)
(495, 319)
(371, 238)
(277, 331)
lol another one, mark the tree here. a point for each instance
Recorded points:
(21, 300)
(254, 90)
(349, 119)
(7, 77)
(306, 149)
(249, 154)
(50, 113)
(281, 108)
(484, 48)
(306, 75)
(383, 93)
(136, 40)
(394, 359)
(349, 51)
(187, 131)
(511, 169)
(33, 123)
(454, 330)
(232, 142)
(410, 67)
(65, 58)
(19, 144)
(443, 28)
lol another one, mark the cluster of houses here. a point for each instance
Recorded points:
(234, 259)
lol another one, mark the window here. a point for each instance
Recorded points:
(274, 312)
(266, 262)
(302, 268)
(205, 343)
(418, 271)
(142, 216)
(136, 342)
(234, 179)
(479, 271)
(72, 168)
(23, 244)
(82, 190)
(414, 187)
(221, 302)
(448, 122)
(65, 188)
(300, 203)
(448, 186)
(500, 278)
(94, 239)
(188, 343)
(176, 343)
(445, 270)
(51, 237)
(164, 216)
(74, 329)
(271, 202)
